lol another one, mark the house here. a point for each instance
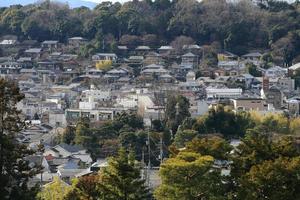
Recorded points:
(142, 50)
(286, 84)
(153, 58)
(247, 79)
(105, 57)
(31, 72)
(77, 41)
(154, 70)
(166, 50)
(193, 48)
(223, 93)
(276, 71)
(65, 150)
(25, 62)
(249, 104)
(57, 118)
(95, 72)
(50, 65)
(95, 95)
(118, 72)
(190, 86)
(94, 114)
(10, 67)
(293, 106)
(293, 69)
(50, 45)
(226, 56)
(254, 56)
(190, 59)
(33, 53)
(273, 96)
(231, 68)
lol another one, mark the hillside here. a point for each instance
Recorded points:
(71, 3)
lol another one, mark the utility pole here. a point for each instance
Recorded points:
(144, 175)
(161, 152)
(149, 160)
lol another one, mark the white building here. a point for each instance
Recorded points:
(220, 93)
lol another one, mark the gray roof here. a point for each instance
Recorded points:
(33, 50)
(71, 148)
(166, 48)
(189, 55)
(143, 48)
(50, 42)
(253, 54)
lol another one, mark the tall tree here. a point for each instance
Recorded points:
(122, 180)
(14, 168)
(177, 110)
(189, 176)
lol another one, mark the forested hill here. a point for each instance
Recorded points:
(71, 3)
(237, 27)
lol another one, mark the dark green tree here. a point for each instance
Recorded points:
(122, 179)
(177, 110)
(14, 168)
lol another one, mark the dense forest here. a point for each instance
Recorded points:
(237, 26)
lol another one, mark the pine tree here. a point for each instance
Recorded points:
(14, 169)
(121, 179)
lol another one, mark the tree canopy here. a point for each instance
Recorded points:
(236, 26)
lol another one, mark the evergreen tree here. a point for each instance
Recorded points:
(14, 169)
(177, 110)
(121, 179)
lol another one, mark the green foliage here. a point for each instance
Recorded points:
(57, 189)
(177, 110)
(213, 146)
(14, 168)
(83, 188)
(188, 176)
(68, 135)
(237, 27)
(121, 179)
(184, 136)
(225, 122)
(265, 167)
(276, 179)
(252, 69)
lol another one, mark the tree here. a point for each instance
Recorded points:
(276, 179)
(224, 121)
(174, 117)
(150, 40)
(189, 176)
(14, 168)
(180, 41)
(130, 41)
(84, 188)
(252, 69)
(82, 133)
(213, 146)
(68, 135)
(265, 168)
(130, 119)
(121, 179)
(184, 136)
(57, 189)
